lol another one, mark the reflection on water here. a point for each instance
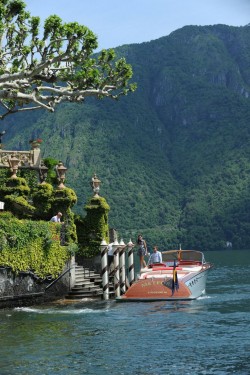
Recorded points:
(207, 336)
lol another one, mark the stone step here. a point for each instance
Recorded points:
(77, 287)
(88, 294)
(86, 273)
(82, 286)
(84, 283)
(83, 290)
(88, 285)
(93, 277)
(87, 282)
(79, 278)
(81, 296)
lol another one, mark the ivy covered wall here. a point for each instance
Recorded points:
(28, 240)
(34, 246)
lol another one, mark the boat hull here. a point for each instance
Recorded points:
(159, 288)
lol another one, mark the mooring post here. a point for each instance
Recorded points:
(72, 274)
(122, 266)
(131, 267)
(104, 272)
(116, 249)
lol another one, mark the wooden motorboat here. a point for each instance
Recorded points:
(182, 275)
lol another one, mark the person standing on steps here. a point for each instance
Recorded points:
(142, 251)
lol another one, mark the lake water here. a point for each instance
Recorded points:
(210, 335)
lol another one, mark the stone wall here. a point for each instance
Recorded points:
(25, 289)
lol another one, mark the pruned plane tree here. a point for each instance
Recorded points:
(41, 67)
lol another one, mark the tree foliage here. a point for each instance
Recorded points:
(41, 72)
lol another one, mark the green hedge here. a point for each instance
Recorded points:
(34, 246)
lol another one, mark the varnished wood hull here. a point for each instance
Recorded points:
(159, 287)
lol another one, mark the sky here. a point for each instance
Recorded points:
(118, 22)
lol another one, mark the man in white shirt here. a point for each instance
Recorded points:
(56, 218)
(156, 256)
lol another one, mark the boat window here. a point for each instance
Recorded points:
(181, 255)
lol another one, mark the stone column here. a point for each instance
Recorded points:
(122, 267)
(131, 267)
(116, 249)
(104, 272)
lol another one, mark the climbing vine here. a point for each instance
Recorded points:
(27, 245)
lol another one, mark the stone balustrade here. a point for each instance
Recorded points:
(31, 158)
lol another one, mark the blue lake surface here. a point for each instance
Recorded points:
(210, 335)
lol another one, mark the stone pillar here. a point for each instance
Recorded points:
(131, 267)
(116, 249)
(104, 272)
(122, 267)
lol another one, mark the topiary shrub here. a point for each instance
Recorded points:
(93, 228)
(19, 206)
(51, 175)
(43, 200)
(62, 200)
(15, 192)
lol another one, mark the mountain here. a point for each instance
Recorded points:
(173, 157)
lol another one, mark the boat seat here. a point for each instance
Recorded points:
(190, 262)
(165, 268)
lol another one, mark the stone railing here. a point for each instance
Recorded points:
(27, 159)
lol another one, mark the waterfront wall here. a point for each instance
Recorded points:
(25, 289)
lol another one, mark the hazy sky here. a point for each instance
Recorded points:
(118, 22)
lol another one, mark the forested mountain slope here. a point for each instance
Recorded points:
(173, 157)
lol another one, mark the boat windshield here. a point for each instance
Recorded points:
(182, 255)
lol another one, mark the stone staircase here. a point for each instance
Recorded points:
(88, 284)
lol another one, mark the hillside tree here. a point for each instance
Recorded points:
(42, 67)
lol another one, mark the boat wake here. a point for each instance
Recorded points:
(60, 311)
(204, 297)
